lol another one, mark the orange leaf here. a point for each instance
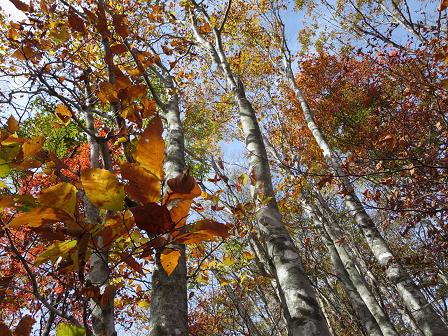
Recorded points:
(179, 212)
(169, 260)
(40, 216)
(63, 113)
(13, 124)
(142, 187)
(149, 107)
(150, 148)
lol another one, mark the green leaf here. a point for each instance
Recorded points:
(64, 329)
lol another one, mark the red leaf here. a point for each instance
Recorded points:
(153, 218)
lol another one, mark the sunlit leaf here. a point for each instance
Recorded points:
(40, 216)
(150, 148)
(63, 113)
(61, 196)
(169, 260)
(143, 186)
(64, 329)
(56, 250)
(103, 189)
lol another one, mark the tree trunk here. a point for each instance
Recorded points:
(422, 311)
(169, 307)
(361, 310)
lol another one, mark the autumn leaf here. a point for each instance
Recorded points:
(63, 113)
(75, 22)
(103, 189)
(203, 230)
(150, 148)
(33, 146)
(169, 260)
(21, 5)
(443, 5)
(56, 250)
(61, 196)
(13, 124)
(64, 329)
(143, 186)
(24, 327)
(120, 23)
(153, 218)
(179, 212)
(107, 295)
(4, 330)
(40, 216)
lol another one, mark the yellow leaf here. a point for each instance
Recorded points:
(40, 216)
(33, 146)
(103, 189)
(63, 113)
(150, 148)
(228, 261)
(56, 250)
(169, 260)
(61, 196)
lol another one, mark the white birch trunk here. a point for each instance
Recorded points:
(169, 305)
(303, 309)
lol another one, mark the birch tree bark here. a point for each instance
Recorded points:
(169, 307)
(102, 316)
(364, 315)
(305, 315)
(422, 311)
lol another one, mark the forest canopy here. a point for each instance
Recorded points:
(234, 167)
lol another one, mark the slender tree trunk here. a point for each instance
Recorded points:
(102, 316)
(364, 315)
(334, 232)
(169, 307)
(423, 312)
(303, 309)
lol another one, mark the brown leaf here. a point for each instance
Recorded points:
(75, 22)
(4, 330)
(183, 183)
(179, 212)
(21, 5)
(120, 23)
(131, 262)
(13, 124)
(153, 218)
(443, 5)
(108, 295)
(143, 186)
(24, 327)
(150, 148)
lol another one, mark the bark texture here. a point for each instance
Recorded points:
(169, 308)
(303, 309)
